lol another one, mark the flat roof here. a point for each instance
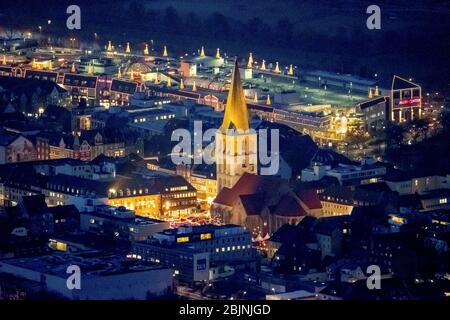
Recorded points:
(92, 264)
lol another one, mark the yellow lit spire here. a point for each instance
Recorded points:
(268, 102)
(250, 61)
(255, 98)
(146, 50)
(291, 70)
(169, 82)
(182, 84)
(128, 49)
(277, 68)
(194, 87)
(236, 113)
(119, 74)
(4, 59)
(202, 52)
(370, 93)
(218, 54)
(109, 49)
(377, 92)
(165, 52)
(73, 69)
(263, 65)
(90, 69)
(50, 65)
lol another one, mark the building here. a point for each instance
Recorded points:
(262, 204)
(202, 178)
(104, 276)
(81, 86)
(192, 251)
(346, 174)
(15, 147)
(65, 181)
(340, 200)
(119, 223)
(236, 151)
(405, 100)
(86, 146)
(374, 112)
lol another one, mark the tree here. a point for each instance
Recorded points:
(418, 128)
(394, 135)
(444, 118)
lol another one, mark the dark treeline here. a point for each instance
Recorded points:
(349, 46)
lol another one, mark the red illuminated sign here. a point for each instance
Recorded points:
(409, 102)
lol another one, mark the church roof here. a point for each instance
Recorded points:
(236, 113)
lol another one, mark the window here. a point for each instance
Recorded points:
(182, 239)
(205, 236)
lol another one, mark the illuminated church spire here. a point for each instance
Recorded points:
(119, 74)
(370, 93)
(90, 69)
(169, 82)
(218, 54)
(250, 61)
(263, 65)
(236, 113)
(291, 70)
(109, 49)
(255, 98)
(73, 69)
(4, 59)
(165, 52)
(268, 102)
(194, 87)
(377, 92)
(236, 145)
(277, 68)
(128, 49)
(202, 52)
(146, 50)
(182, 84)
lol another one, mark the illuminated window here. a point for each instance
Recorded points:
(205, 236)
(182, 239)
(443, 201)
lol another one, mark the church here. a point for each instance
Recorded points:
(236, 145)
(260, 203)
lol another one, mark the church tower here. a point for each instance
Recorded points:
(236, 146)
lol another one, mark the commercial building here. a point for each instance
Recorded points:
(192, 251)
(119, 223)
(346, 174)
(103, 276)
(405, 100)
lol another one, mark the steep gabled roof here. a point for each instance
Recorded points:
(288, 206)
(236, 113)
